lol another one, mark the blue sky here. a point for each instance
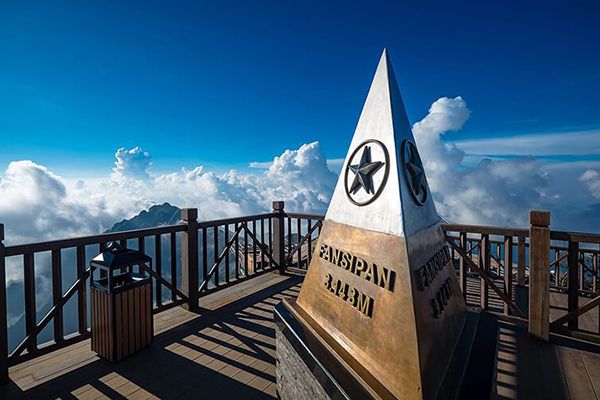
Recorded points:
(234, 82)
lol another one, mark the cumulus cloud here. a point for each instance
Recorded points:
(299, 177)
(36, 204)
(494, 192)
(134, 163)
(334, 164)
(591, 179)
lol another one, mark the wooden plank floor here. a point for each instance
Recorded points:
(225, 351)
(228, 351)
(532, 369)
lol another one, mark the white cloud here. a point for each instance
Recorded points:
(260, 164)
(334, 164)
(36, 204)
(494, 192)
(591, 178)
(542, 144)
(134, 163)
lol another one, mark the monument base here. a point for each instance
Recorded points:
(308, 368)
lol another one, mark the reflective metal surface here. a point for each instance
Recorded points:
(380, 289)
(403, 344)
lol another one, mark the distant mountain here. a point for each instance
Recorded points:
(157, 215)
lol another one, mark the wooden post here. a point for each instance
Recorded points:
(484, 264)
(462, 264)
(57, 294)
(82, 292)
(573, 285)
(3, 313)
(498, 255)
(189, 257)
(508, 268)
(521, 261)
(581, 270)
(279, 235)
(595, 272)
(539, 274)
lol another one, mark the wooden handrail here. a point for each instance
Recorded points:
(89, 240)
(575, 237)
(486, 230)
(231, 221)
(305, 216)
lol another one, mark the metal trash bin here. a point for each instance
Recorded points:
(121, 302)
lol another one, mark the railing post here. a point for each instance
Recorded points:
(595, 272)
(539, 274)
(484, 264)
(573, 283)
(521, 261)
(279, 235)
(3, 313)
(462, 264)
(508, 268)
(189, 257)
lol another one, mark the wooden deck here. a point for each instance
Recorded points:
(228, 351)
(531, 369)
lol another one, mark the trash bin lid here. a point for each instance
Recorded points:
(115, 256)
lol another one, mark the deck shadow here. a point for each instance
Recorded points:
(160, 371)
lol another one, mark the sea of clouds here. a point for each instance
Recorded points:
(36, 204)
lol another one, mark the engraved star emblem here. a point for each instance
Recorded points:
(414, 172)
(364, 171)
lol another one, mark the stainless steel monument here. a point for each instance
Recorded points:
(380, 313)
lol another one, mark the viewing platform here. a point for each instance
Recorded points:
(213, 310)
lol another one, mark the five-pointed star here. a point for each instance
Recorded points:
(415, 168)
(364, 172)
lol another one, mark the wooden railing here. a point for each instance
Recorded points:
(75, 254)
(300, 240)
(578, 253)
(193, 259)
(190, 260)
(487, 256)
(495, 272)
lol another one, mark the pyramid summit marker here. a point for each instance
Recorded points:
(384, 131)
(381, 294)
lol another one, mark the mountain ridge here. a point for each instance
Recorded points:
(157, 215)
